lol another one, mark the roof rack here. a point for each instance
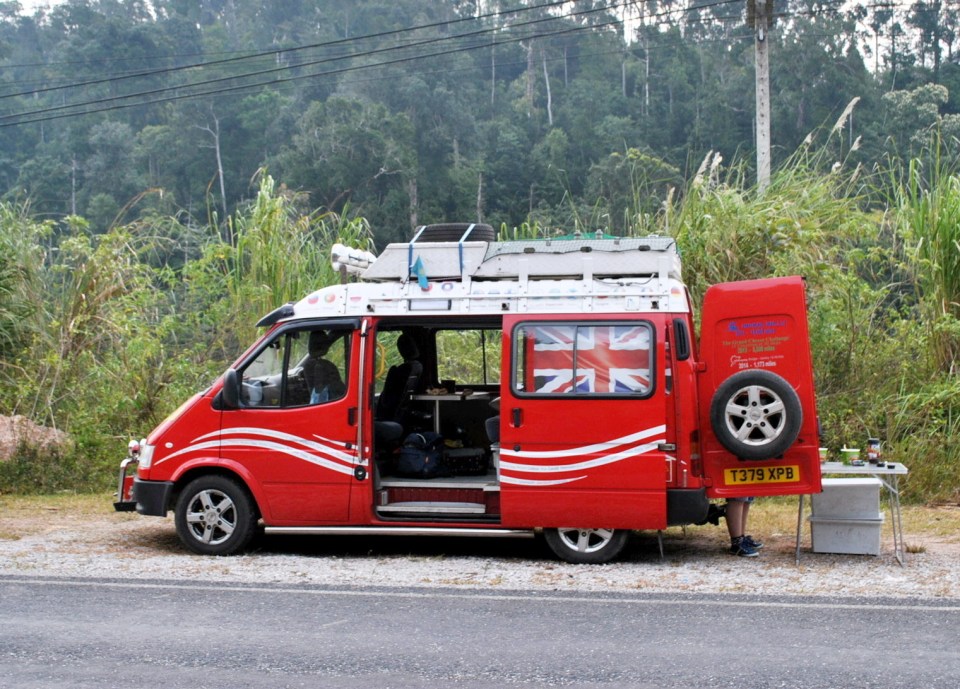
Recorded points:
(579, 258)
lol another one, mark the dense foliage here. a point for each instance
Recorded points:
(411, 111)
(172, 170)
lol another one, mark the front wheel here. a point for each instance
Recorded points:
(215, 516)
(586, 546)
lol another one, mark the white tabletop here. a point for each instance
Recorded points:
(457, 396)
(887, 468)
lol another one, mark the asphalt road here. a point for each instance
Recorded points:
(108, 633)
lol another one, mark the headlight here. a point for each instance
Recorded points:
(146, 455)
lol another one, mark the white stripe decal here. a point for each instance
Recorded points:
(536, 482)
(190, 448)
(588, 449)
(333, 459)
(330, 447)
(602, 449)
(579, 466)
(293, 452)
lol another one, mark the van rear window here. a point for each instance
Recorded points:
(599, 359)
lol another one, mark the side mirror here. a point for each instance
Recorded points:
(231, 389)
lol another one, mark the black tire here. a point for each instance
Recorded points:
(586, 546)
(215, 516)
(756, 415)
(452, 232)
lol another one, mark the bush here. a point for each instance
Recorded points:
(33, 471)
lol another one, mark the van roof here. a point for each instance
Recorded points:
(600, 275)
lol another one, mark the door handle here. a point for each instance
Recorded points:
(517, 417)
(352, 416)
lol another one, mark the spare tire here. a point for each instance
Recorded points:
(756, 414)
(454, 232)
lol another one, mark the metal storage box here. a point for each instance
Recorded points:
(846, 536)
(846, 517)
(848, 498)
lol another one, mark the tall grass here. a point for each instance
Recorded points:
(84, 316)
(21, 260)
(281, 254)
(924, 414)
(728, 229)
(117, 341)
(928, 213)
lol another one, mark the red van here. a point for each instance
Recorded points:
(480, 388)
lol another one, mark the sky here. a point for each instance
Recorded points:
(30, 5)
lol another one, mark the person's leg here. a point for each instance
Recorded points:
(743, 525)
(745, 509)
(735, 518)
(737, 510)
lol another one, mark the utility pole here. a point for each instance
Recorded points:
(762, 16)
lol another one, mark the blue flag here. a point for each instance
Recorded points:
(421, 274)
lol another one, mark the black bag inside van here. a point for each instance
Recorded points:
(421, 456)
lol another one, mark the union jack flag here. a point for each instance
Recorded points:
(606, 359)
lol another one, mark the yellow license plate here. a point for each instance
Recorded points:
(751, 475)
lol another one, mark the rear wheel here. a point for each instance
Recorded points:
(215, 516)
(586, 546)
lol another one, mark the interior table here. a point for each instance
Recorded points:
(448, 397)
(889, 474)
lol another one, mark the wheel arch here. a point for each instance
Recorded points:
(214, 470)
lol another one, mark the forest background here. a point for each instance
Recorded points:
(171, 170)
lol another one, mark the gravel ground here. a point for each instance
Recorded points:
(128, 546)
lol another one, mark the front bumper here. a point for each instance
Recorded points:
(125, 501)
(152, 497)
(146, 497)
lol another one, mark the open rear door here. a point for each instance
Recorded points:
(758, 413)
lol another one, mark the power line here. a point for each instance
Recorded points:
(140, 94)
(275, 51)
(272, 52)
(45, 114)
(30, 115)
(232, 89)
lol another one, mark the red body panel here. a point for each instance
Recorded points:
(298, 463)
(758, 325)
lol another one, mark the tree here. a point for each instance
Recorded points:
(111, 166)
(915, 115)
(350, 151)
(630, 186)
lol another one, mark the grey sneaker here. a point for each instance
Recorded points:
(742, 548)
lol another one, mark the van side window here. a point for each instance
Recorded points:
(300, 367)
(469, 357)
(589, 360)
